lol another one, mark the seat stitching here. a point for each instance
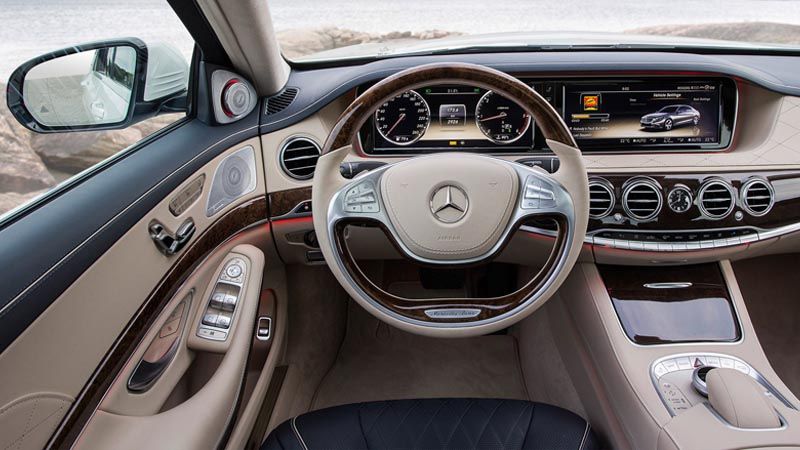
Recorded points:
(458, 424)
(514, 425)
(430, 421)
(530, 424)
(297, 433)
(384, 406)
(585, 435)
(408, 412)
(488, 421)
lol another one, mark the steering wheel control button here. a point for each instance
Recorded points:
(361, 199)
(449, 203)
(538, 195)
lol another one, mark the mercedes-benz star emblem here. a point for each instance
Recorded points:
(449, 204)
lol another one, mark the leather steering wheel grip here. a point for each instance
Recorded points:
(504, 311)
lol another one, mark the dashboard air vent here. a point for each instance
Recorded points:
(601, 198)
(716, 199)
(281, 100)
(299, 157)
(757, 197)
(642, 199)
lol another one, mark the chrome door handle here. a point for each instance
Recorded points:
(166, 242)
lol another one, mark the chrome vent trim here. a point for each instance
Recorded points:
(280, 101)
(601, 198)
(298, 157)
(757, 197)
(716, 199)
(642, 199)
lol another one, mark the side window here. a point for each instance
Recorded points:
(33, 164)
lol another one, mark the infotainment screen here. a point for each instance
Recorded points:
(625, 114)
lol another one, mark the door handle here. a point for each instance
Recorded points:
(166, 242)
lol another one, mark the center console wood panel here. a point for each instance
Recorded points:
(661, 305)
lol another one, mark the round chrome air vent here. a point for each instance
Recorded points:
(716, 199)
(299, 157)
(601, 198)
(642, 199)
(757, 196)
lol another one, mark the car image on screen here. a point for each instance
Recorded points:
(671, 116)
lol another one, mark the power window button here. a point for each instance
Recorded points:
(223, 321)
(210, 319)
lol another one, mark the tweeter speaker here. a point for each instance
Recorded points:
(235, 176)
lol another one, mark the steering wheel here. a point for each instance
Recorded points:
(450, 209)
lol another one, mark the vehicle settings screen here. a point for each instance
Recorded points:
(643, 113)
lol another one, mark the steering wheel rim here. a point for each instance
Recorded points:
(566, 192)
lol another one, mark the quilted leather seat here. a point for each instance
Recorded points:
(441, 424)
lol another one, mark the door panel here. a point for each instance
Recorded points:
(135, 420)
(45, 251)
(54, 361)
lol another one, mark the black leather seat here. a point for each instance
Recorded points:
(442, 424)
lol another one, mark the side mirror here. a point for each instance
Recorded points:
(99, 86)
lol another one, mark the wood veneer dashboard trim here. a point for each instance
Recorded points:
(415, 308)
(90, 397)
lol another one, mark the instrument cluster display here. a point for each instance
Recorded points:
(603, 115)
(451, 117)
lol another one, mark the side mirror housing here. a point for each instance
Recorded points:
(98, 86)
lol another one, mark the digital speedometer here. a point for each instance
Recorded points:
(500, 119)
(403, 119)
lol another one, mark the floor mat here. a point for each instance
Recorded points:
(769, 287)
(378, 362)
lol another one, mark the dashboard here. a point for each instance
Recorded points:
(604, 115)
(723, 181)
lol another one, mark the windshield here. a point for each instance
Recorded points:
(668, 109)
(315, 30)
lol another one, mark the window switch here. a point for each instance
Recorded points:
(229, 304)
(210, 319)
(223, 321)
(217, 300)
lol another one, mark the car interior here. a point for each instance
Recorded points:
(474, 248)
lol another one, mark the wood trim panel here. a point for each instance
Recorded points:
(89, 398)
(282, 202)
(415, 308)
(666, 313)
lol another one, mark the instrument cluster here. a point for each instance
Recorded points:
(610, 114)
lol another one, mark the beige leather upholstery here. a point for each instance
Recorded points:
(740, 400)
(489, 185)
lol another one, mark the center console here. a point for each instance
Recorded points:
(660, 348)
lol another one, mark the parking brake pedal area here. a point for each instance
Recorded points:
(219, 314)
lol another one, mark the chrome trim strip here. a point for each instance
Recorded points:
(672, 285)
(759, 234)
